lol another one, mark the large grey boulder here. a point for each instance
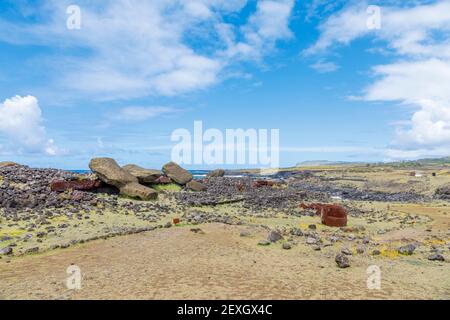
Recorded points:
(143, 175)
(111, 173)
(177, 173)
(216, 173)
(407, 250)
(274, 236)
(196, 186)
(342, 261)
(6, 251)
(136, 190)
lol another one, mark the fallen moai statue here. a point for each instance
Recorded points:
(80, 185)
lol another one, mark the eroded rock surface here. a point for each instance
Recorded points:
(111, 173)
(136, 190)
(144, 176)
(177, 173)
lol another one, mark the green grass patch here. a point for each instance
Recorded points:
(172, 187)
(10, 232)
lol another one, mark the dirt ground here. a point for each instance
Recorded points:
(177, 263)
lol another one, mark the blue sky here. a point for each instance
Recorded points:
(136, 71)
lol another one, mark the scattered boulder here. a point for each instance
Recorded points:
(136, 190)
(346, 251)
(264, 243)
(436, 257)
(6, 251)
(143, 175)
(177, 173)
(407, 250)
(216, 173)
(111, 173)
(376, 252)
(296, 232)
(360, 249)
(274, 236)
(286, 246)
(196, 186)
(311, 240)
(342, 261)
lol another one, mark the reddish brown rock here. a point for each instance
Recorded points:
(240, 186)
(332, 215)
(334, 218)
(194, 185)
(81, 185)
(177, 173)
(263, 183)
(163, 180)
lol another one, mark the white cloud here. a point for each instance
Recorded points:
(137, 48)
(411, 81)
(417, 37)
(21, 123)
(265, 27)
(271, 20)
(407, 31)
(341, 28)
(198, 9)
(325, 66)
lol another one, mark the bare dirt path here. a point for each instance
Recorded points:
(176, 263)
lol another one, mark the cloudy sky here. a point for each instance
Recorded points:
(336, 81)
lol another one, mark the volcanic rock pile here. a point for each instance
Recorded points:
(221, 190)
(23, 187)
